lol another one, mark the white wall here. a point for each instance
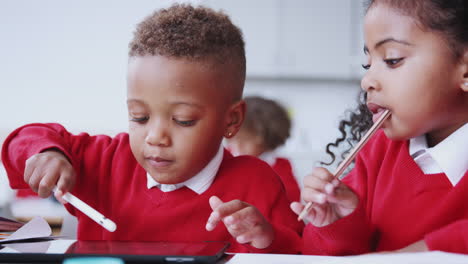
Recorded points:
(65, 61)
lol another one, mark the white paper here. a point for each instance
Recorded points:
(36, 228)
(432, 257)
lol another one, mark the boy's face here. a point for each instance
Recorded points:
(414, 74)
(178, 113)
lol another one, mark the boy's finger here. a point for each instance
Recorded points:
(59, 196)
(228, 208)
(247, 216)
(46, 185)
(214, 218)
(257, 236)
(35, 179)
(66, 181)
(215, 202)
(29, 168)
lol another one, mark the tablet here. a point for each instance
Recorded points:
(130, 252)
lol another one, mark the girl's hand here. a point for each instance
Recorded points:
(243, 221)
(47, 169)
(331, 198)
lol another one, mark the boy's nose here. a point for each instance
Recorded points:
(158, 137)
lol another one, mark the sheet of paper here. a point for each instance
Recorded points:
(9, 224)
(37, 228)
(433, 257)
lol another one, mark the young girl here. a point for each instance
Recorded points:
(408, 190)
(266, 127)
(169, 178)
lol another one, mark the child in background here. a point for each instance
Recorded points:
(169, 178)
(266, 127)
(408, 190)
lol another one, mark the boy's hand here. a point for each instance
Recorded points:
(242, 220)
(49, 168)
(331, 198)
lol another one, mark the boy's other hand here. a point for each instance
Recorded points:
(331, 198)
(49, 168)
(243, 221)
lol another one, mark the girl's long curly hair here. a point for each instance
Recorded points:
(352, 128)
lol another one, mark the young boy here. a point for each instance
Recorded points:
(162, 180)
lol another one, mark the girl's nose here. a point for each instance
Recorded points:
(368, 82)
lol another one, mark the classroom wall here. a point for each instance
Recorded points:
(65, 61)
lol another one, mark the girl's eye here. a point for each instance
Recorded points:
(365, 66)
(185, 123)
(140, 120)
(392, 62)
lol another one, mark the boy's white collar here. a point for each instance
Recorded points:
(198, 183)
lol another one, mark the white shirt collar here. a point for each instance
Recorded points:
(268, 157)
(198, 183)
(449, 156)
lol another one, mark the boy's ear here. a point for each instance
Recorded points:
(235, 118)
(464, 72)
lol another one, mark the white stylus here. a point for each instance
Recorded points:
(89, 211)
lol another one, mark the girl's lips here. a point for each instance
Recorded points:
(376, 110)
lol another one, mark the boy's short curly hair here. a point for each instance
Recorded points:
(193, 33)
(268, 119)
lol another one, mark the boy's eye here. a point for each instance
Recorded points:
(365, 66)
(139, 119)
(185, 123)
(392, 62)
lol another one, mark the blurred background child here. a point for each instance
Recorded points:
(266, 127)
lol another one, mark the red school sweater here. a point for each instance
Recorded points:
(399, 205)
(283, 168)
(110, 180)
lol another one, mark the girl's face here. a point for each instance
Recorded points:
(411, 72)
(179, 111)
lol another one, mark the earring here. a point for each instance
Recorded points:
(229, 134)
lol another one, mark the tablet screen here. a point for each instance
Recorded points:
(131, 252)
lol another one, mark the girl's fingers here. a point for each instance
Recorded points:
(296, 207)
(344, 196)
(315, 183)
(314, 196)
